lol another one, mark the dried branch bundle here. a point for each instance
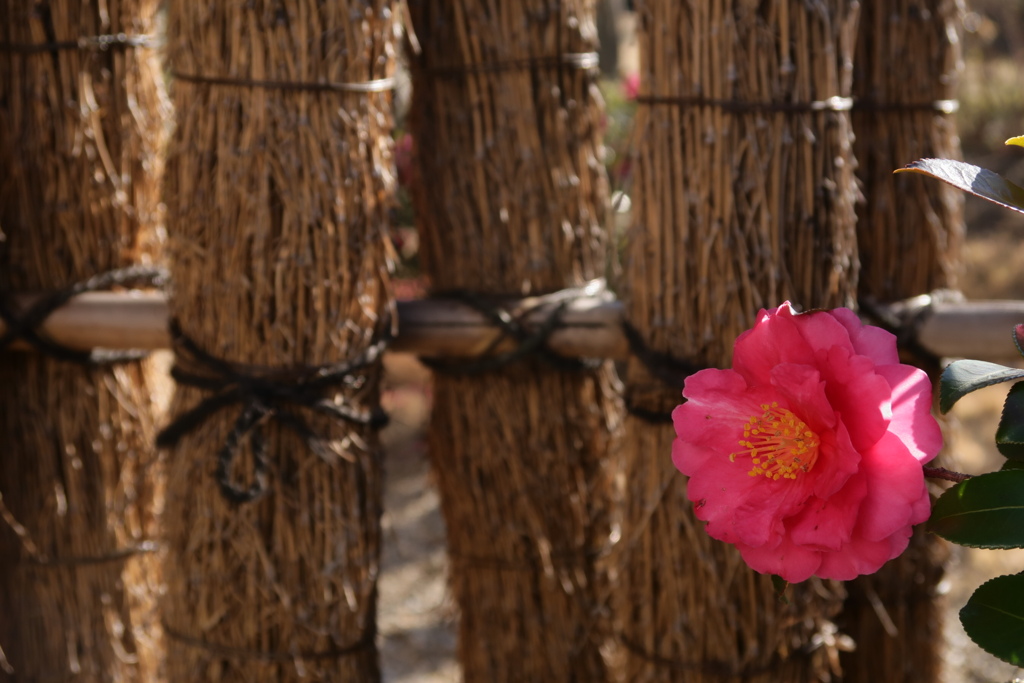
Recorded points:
(279, 180)
(506, 120)
(906, 71)
(743, 197)
(910, 235)
(81, 134)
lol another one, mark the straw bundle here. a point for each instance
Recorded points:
(512, 199)
(910, 236)
(81, 132)
(743, 197)
(905, 73)
(278, 184)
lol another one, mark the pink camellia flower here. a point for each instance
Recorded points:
(807, 455)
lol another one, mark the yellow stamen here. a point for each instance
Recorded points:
(779, 444)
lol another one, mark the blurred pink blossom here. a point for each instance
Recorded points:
(807, 455)
(631, 86)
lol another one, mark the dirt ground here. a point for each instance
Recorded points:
(417, 617)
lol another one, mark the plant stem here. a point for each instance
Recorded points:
(948, 475)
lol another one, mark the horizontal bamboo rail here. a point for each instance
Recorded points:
(590, 326)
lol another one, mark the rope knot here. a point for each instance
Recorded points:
(263, 395)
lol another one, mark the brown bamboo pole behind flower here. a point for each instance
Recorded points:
(742, 197)
(511, 200)
(279, 179)
(910, 235)
(81, 133)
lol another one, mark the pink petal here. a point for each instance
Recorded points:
(921, 509)
(774, 339)
(706, 385)
(688, 457)
(912, 420)
(792, 562)
(857, 557)
(721, 484)
(895, 485)
(861, 396)
(826, 524)
(719, 405)
(868, 340)
(804, 393)
(754, 525)
(838, 460)
(714, 419)
(823, 331)
(898, 542)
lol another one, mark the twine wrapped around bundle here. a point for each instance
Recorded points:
(511, 199)
(82, 118)
(743, 197)
(910, 236)
(279, 180)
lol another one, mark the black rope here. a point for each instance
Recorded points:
(572, 60)
(654, 417)
(530, 344)
(831, 104)
(938, 106)
(664, 367)
(263, 396)
(364, 642)
(24, 325)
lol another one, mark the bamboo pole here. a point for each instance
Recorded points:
(510, 202)
(910, 236)
(589, 326)
(82, 120)
(742, 198)
(279, 181)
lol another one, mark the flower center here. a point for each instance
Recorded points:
(780, 444)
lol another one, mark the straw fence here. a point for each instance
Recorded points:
(506, 119)
(574, 554)
(906, 68)
(759, 99)
(277, 195)
(82, 117)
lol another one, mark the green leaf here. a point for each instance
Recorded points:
(1010, 434)
(969, 178)
(1012, 465)
(986, 511)
(964, 376)
(994, 618)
